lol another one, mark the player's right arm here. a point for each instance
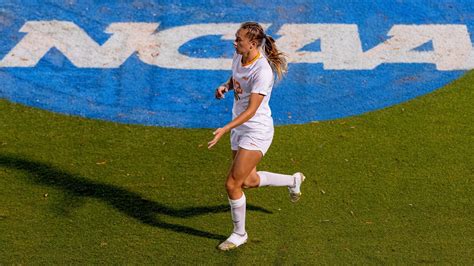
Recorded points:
(225, 87)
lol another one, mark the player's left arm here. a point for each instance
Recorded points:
(254, 102)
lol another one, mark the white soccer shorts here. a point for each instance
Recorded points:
(251, 141)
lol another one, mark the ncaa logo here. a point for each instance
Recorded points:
(158, 64)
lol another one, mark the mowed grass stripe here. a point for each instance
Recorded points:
(391, 186)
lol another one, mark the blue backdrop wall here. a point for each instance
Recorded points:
(137, 91)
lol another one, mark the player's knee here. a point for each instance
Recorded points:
(231, 185)
(248, 184)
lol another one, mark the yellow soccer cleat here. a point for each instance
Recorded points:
(234, 241)
(295, 190)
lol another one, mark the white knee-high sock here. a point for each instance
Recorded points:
(237, 210)
(275, 180)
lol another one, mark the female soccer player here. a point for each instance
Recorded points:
(255, 60)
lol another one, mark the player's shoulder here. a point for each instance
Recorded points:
(262, 67)
(262, 64)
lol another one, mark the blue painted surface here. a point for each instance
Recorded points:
(144, 94)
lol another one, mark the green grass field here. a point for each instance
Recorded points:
(393, 186)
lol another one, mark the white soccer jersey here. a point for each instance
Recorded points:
(255, 77)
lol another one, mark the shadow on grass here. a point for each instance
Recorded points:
(129, 203)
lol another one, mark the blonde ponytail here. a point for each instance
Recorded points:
(276, 59)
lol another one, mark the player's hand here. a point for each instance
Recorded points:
(217, 136)
(220, 92)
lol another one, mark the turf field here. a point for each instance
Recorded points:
(393, 186)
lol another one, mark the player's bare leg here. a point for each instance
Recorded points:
(262, 178)
(245, 161)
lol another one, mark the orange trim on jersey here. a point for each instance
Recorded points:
(253, 60)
